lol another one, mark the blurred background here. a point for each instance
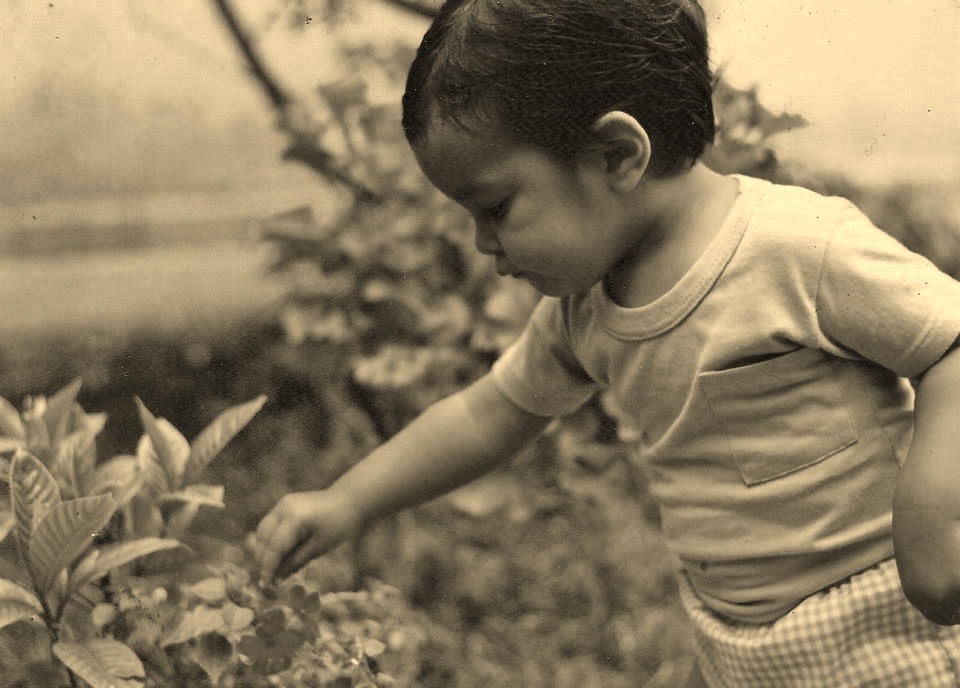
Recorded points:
(133, 134)
(177, 226)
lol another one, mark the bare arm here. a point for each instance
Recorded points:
(454, 441)
(926, 510)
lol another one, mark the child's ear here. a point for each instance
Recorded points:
(624, 148)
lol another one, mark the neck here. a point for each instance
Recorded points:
(680, 214)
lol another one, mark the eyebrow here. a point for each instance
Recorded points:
(463, 193)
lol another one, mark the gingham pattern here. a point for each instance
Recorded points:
(860, 633)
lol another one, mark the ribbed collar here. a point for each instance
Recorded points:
(670, 309)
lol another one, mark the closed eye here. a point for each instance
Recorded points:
(498, 211)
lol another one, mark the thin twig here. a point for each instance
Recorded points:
(277, 94)
(303, 148)
(424, 9)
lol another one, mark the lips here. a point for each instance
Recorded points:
(511, 273)
(514, 275)
(506, 269)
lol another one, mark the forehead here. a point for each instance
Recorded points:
(460, 159)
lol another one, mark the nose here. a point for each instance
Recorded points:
(485, 239)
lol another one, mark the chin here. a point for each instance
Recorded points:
(553, 289)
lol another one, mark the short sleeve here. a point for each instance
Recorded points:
(884, 302)
(539, 372)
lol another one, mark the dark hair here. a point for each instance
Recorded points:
(549, 68)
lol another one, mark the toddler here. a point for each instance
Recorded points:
(761, 338)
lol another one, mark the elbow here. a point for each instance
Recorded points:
(935, 594)
(926, 542)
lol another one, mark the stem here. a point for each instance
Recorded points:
(52, 623)
(50, 620)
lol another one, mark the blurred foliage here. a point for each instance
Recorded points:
(390, 277)
(744, 131)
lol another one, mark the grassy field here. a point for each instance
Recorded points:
(68, 315)
(82, 275)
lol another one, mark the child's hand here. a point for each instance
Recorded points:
(301, 527)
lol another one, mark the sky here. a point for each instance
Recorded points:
(876, 78)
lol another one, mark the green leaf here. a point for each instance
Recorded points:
(237, 618)
(56, 415)
(17, 603)
(203, 619)
(102, 614)
(85, 448)
(181, 519)
(212, 590)
(171, 447)
(33, 492)
(75, 458)
(213, 438)
(11, 612)
(373, 647)
(119, 476)
(7, 520)
(178, 452)
(101, 561)
(214, 654)
(63, 534)
(144, 515)
(85, 571)
(35, 428)
(12, 661)
(154, 477)
(10, 423)
(102, 663)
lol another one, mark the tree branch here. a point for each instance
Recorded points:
(424, 9)
(304, 145)
(277, 95)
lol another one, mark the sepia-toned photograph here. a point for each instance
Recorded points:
(480, 344)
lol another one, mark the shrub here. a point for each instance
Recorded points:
(101, 582)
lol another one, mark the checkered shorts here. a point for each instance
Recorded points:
(862, 632)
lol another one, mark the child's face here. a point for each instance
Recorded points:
(555, 224)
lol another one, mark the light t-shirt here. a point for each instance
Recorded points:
(769, 389)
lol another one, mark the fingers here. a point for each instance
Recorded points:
(276, 536)
(300, 527)
(298, 557)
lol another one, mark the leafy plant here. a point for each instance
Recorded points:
(390, 274)
(57, 552)
(63, 507)
(102, 584)
(170, 466)
(305, 636)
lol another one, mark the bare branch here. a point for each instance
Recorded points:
(277, 95)
(424, 9)
(304, 146)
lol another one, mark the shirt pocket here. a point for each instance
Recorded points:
(781, 414)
